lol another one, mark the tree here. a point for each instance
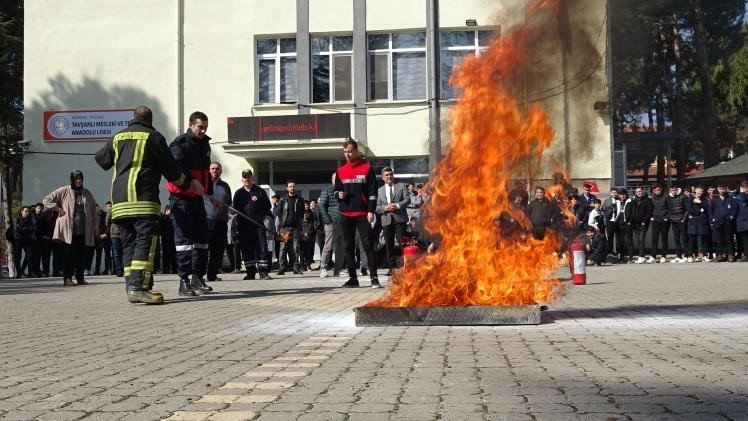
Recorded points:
(11, 104)
(680, 63)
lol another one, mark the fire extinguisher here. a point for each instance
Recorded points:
(410, 250)
(578, 262)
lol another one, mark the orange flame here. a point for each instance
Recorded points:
(493, 137)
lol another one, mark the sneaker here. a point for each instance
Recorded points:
(351, 283)
(639, 260)
(677, 260)
(375, 283)
(323, 273)
(706, 259)
(663, 259)
(650, 260)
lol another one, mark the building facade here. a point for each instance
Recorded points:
(284, 82)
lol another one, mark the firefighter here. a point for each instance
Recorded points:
(192, 151)
(140, 157)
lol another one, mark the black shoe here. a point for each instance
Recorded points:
(185, 289)
(251, 274)
(265, 276)
(297, 272)
(216, 279)
(281, 272)
(352, 283)
(375, 283)
(82, 282)
(198, 285)
(364, 271)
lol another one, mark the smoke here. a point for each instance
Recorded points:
(566, 75)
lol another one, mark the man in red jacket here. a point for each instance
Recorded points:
(192, 151)
(356, 191)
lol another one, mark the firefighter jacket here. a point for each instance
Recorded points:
(193, 154)
(358, 181)
(140, 157)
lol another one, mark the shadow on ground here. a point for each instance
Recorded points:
(712, 309)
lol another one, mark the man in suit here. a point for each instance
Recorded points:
(392, 202)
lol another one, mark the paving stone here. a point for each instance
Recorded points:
(602, 353)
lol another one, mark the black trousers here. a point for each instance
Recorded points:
(190, 235)
(625, 242)
(613, 233)
(679, 238)
(392, 233)
(235, 256)
(253, 242)
(139, 237)
(640, 233)
(75, 258)
(45, 255)
(338, 244)
(351, 225)
(659, 232)
(28, 260)
(216, 246)
(104, 249)
(724, 239)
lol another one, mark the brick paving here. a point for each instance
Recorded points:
(660, 341)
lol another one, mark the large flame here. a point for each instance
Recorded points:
(494, 137)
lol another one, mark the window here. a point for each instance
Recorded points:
(455, 45)
(332, 68)
(397, 66)
(276, 70)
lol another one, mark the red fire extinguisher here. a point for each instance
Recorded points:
(578, 262)
(410, 250)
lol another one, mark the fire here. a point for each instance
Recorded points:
(494, 137)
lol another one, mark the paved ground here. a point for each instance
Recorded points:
(662, 341)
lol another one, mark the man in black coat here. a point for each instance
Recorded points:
(640, 219)
(660, 222)
(677, 217)
(542, 213)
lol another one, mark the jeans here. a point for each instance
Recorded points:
(117, 265)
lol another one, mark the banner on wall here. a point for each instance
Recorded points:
(289, 127)
(84, 125)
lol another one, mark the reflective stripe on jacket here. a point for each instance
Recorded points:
(140, 157)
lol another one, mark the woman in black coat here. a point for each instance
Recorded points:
(698, 225)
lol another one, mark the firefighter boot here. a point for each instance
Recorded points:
(199, 286)
(251, 273)
(136, 292)
(185, 289)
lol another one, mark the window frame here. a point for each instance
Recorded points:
(277, 56)
(476, 48)
(389, 51)
(332, 54)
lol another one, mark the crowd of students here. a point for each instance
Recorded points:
(705, 224)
